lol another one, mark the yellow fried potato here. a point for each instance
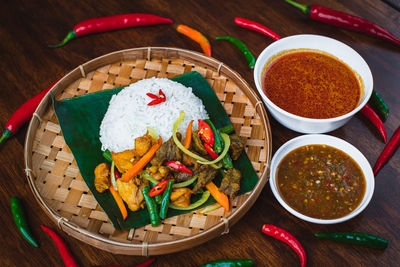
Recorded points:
(131, 192)
(124, 160)
(181, 197)
(102, 177)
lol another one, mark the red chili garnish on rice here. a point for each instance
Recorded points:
(157, 98)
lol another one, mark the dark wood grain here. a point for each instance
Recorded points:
(28, 66)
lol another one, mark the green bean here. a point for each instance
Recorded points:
(165, 199)
(218, 143)
(151, 207)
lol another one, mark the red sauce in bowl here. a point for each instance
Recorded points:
(312, 85)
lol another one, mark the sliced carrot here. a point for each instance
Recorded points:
(197, 37)
(220, 197)
(188, 138)
(119, 201)
(135, 169)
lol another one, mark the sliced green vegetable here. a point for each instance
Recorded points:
(197, 204)
(185, 183)
(113, 182)
(211, 208)
(228, 129)
(107, 155)
(227, 143)
(149, 178)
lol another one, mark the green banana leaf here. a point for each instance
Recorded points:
(80, 118)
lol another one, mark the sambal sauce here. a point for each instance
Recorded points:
(320, 181)
(311, 85)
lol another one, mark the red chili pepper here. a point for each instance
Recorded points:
(159, 188)
(206, 133)
(65, 253)
(255, 26)
(178, 166)
(116, 174)
(23, 114)
(368, 112)
(344, 20)
(157, 99)
(110, 23)
(153, 96)
(388, 151)
(156, 102)
(288, 238)
(210, 151)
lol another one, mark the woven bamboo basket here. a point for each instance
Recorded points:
(59, 188)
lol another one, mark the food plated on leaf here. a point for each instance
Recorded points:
(159, 145)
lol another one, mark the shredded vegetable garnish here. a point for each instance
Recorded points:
(185, 183)
(227, 143)
(114, 183)
(181, 147)
(152, 132)
(198, 203)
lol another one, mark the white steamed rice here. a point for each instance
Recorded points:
(128, 114)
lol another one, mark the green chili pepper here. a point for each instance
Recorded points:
(165, 199)
(361, 239)
(198, 203)
(376, 101)
(218, 143)
(228, 129)
(107, 155)
(20, 220)
(151, 207)
(227, 162)
(230, 263)
(242, 47)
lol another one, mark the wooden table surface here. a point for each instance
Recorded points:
(28, 66)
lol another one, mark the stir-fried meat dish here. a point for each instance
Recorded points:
(230, 184)
(197, 144)
(131, 192)
(236, 147)
(125, 160)
(102, 177)
(206, 174)
(143, 144)
(180, 176)
(158, 172)
(167, 152)
(181, 197)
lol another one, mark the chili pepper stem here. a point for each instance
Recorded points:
(7, 134)
(304, 8)
(71, 35)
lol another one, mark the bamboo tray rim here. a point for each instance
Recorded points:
(221, 227)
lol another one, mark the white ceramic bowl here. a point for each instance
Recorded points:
(333, 142)
(328, 45)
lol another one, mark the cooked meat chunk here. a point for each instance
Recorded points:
(197, 144)
(236, 147)
(102, 177)
(181, 197)
(167, 152)
(143, 144)
(206, 174)
(158, 172)
(181, 176)
(125, 160)
(131, 192)
(230, 184)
